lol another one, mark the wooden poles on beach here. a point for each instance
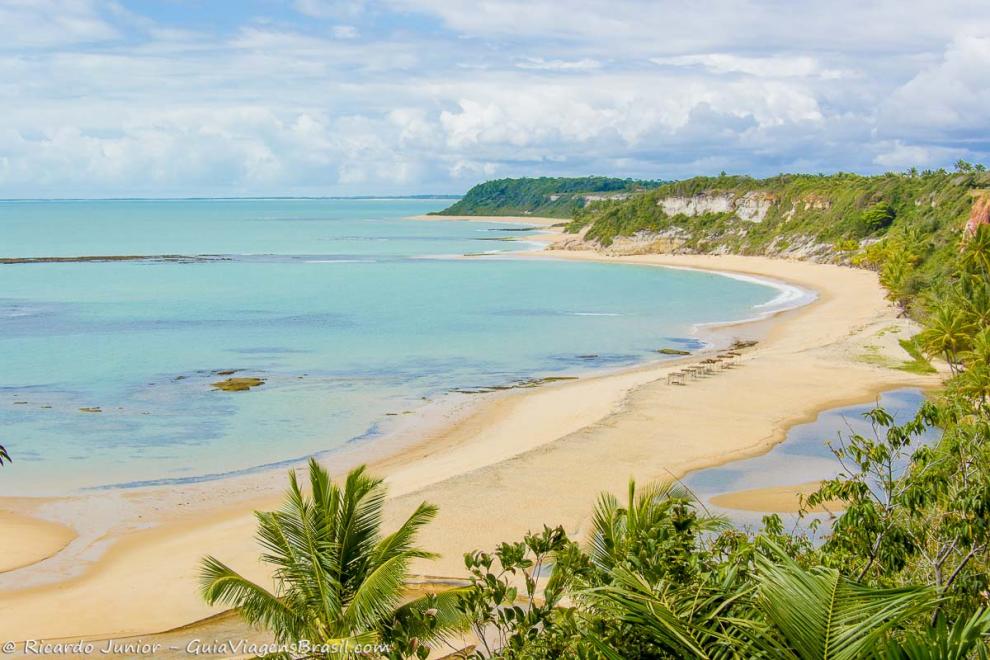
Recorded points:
(708, 366)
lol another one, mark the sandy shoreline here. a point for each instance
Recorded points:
(27, 540)
(773, 499)
(519, 460)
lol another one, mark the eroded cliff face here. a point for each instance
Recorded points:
(842, 219)
(979, 214)
(751, 206)
(670, 241)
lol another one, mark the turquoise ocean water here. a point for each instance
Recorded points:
(348, 310)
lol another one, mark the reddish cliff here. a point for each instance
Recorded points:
(979, 214)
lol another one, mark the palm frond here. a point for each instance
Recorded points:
(607, 529)
(335, 576)
(966, 638)
(358, 524)
(822, 614)
(448, 619)
(378, 593)
(222, 585)
(687, 622)
(400, 541)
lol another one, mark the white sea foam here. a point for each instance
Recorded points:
(594, 314)
(341, 261)
(789, 296)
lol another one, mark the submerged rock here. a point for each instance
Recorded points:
(525, 383)
(672, 351)
(238, 384)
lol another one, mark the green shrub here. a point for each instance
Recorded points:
(877, 217)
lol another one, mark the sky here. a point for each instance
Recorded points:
(171, 98)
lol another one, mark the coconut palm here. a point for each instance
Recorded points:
(975, 258)
(979, 349)
(966, 638)
(651, 532)
(4, 456)
(819, 613)
(702, 620)
(794, 613)
(947, 333)
(896, 273)
(975, 304)
(338, 580)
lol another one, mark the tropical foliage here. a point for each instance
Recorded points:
(902, 572)
(840, 217)
(554, 197)
(339, 581)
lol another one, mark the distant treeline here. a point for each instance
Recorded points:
(555, 197)
(907, 226)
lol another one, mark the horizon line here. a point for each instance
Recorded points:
(226, 198)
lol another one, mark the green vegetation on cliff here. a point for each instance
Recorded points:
(901, 570)
(907, 226)
(555, 197)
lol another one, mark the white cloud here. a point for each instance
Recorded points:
(900, 156)
(778, 66)
(538, 63)
(344, 31)
(41, 23)
(445, 93)
(330, 8)
(675, 27)
(469, 168)
(950, 95)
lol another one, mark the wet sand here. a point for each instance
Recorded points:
(512, 462)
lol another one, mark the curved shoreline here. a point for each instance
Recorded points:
(450, 409)
(574, 439)
(28, 540)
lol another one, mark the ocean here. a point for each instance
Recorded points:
(353, 315)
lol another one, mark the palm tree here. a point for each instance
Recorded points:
(975, 303)
(819, 613)
(947, 333)
(966, 638)
(680, 621)
(658, 516)
(338, 580)
(975, 258)
(896, 272)
(979, 350)
(794, 613)
(4, 456)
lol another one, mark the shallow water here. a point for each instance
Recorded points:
(803, 456)
(349, 312)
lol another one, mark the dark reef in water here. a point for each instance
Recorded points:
(529, 382)
(238, 384)
(107, 258)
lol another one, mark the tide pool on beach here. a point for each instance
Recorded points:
(804, 456)
(351, 314)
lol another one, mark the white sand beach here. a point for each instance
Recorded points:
(511, 462)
